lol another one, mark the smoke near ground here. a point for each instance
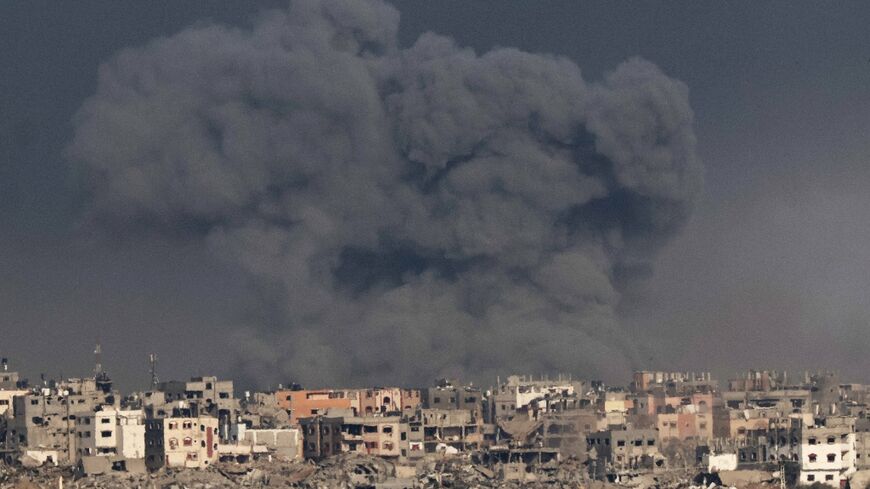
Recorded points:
(402, 212)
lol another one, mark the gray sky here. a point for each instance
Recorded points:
(772, 270)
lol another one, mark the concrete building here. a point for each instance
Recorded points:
(330, 434)
(285, 443)
(448, 394)
(615, 451)
(111, 432)
(412, 400)
(685, 423)
(308, 403)
(437, 430)
(9, 380)
(379, 400)
(44, 419)
(6, 404)
(111, 439)
(181, 442)
(212, 396)
(862, 443)
(827, 452)
(518, 392)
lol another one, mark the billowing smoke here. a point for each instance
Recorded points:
(402, 213)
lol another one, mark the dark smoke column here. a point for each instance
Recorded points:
(402, 213)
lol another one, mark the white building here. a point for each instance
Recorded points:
(519, 391)
(181, 442)
(827, 453)
(111, 432)
(6, 405)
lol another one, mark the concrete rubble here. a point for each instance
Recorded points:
(346, 472)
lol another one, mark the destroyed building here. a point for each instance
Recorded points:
(615, 451)
(335, 433)
(449, 394)
(444, 431)
(181, 442)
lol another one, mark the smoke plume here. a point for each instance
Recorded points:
(401, 212)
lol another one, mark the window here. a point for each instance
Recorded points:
(105, 434)
(811, 477)
(831, 440)
(832, 457)
(638, 443)
(188, 441)
(812, 457)
(811, 441)
(388, 429)
(105, 420)
(651, 442)
(829, 477)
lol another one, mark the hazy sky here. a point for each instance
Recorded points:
(772, 269)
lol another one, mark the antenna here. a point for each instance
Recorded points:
(98, 360)
(152, 360)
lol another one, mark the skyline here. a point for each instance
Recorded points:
(770, 268)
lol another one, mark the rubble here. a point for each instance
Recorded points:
(353, 471)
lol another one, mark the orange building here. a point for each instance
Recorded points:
(411, 400)
(307, 403)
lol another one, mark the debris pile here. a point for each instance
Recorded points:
(350, 472)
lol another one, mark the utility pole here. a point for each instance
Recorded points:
(152, 360)
(98, 360)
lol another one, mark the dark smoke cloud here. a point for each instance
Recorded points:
(402, 212)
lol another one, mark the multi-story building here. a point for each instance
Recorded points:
(434, 430)
(181, 442)
(519, 391)
(685, 423)
(202, 395)
(862, 443)
(823, 449)
(214, 396)
(827, 451)
(43, 424)
(449, 394)
(614, 451)
(6, 397)
(328, 435)
(379, 400)
(111, 432)
(411, 401)
(114, 437)
(307, 403)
